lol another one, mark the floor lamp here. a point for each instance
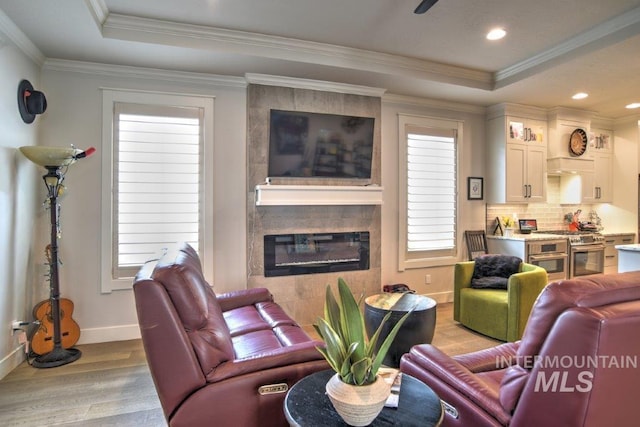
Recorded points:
(55, 160)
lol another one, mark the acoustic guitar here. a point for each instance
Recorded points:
(42, 341)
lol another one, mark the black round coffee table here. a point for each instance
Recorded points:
(417, 329)
(308, 405)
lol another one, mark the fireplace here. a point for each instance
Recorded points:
(309, 253)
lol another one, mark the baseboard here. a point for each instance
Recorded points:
(12, 360)
(441, 297)
(107, 334)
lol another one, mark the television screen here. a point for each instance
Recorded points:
(305, 144)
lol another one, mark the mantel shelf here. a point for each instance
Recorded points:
(315, 195)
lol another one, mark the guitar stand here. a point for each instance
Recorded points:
(58, 356)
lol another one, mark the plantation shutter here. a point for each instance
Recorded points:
(431, 189)
(157, 182)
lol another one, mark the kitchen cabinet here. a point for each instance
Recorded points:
(597, 186)
(517, 155)
(610, 251)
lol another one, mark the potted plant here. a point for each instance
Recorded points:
(356, 391)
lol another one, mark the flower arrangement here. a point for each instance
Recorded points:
(508, 222)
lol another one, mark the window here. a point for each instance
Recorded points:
(156, 180)
(428, 191)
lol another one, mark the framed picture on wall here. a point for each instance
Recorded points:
(475, 188)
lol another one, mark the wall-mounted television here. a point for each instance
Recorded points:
(303, 144)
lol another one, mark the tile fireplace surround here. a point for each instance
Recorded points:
(302, 296)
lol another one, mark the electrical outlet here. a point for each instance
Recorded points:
(427, 279)
(17, 325)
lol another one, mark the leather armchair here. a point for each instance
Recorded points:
(224, 360)
(498, 313)
(576, 365)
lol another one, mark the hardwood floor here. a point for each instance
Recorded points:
(110, 384)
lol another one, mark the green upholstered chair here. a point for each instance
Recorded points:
(498, 313)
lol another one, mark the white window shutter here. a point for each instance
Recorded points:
(157, 182)
(431, 191)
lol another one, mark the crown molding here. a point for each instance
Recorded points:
(123, 71)
(26, 46)
(630, 120)
(606, 33)
(169, 33)
(268, 80)
(432, 103)
(98, 10)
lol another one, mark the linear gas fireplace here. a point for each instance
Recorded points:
(308, 253)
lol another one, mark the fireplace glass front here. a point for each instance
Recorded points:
(308, 253)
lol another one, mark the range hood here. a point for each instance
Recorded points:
(569, 165)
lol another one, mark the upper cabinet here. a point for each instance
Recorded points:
(517, 154)
(598, 186)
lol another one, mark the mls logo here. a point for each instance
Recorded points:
(557, 381)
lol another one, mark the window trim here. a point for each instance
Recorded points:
(109, 98)
(406, 259)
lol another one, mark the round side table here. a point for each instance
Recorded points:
(307, 405)
(417, 329)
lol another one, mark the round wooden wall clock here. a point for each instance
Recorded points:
(578, 142)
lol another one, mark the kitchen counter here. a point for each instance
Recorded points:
(628, 257)
(617, 234)
(528, 237)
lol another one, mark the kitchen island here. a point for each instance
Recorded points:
(628, 257)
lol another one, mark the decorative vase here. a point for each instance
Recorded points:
(508, 232)
(358, 405)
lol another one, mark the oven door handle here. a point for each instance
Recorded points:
(547, 256)
(588, 248)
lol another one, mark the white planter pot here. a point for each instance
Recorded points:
(358, 405)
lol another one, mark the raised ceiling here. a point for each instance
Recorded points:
(553, 48)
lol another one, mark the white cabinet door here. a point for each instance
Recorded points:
(603, 164)
(516, 172)
(526, 179)
(536, 174)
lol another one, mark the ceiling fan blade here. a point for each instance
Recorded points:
(424, 6)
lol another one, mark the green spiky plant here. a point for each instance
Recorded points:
(347, 349)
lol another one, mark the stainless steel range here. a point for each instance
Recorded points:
(586, 251)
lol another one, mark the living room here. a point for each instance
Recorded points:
(75, 89)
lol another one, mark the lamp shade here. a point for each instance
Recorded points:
(50, 156)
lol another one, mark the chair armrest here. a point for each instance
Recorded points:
(523, 290)
(235, 299)
(490, 359)
(446, 370)
(461, 279)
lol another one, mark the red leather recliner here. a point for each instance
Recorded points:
(225, 360)
(578, 363)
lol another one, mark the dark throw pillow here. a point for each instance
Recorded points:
(493, 271)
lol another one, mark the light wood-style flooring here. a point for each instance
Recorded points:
(110, 384)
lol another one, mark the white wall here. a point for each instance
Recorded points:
(471, 214)
(18, 180)
(74, 117)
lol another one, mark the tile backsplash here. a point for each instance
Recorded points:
(550, 215)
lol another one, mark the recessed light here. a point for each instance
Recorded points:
(633, 105)
(580, 95)
(496, 34)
